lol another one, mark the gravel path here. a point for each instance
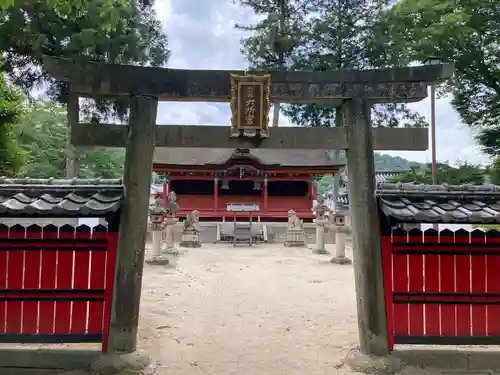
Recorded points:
(260, 310)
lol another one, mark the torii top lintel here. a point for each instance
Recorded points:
(94, 79)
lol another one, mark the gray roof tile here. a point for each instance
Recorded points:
(192, 156)
(381, 176)
(60, 197)
(473, 204)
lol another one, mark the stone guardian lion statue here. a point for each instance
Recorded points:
(294, 223)
(192, 221)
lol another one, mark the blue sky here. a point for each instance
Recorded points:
(202, 36)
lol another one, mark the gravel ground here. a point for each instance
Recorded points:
(259, 310)
(267, 310)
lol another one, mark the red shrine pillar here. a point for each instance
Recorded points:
(216, 194)
(313, 192)
(264, 192)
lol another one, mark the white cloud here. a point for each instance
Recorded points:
(193, 113)
(454, 140)
(163, 9)
(202, 36)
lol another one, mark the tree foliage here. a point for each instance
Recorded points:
(493, 171)
(42, 134)
(465, 32)
(323, 35)
(445, 174)
(11, 110)
(113, 31)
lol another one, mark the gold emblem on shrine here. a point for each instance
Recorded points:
(250, 105)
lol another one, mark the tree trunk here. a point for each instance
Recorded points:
(281, 62)
(73, 110)
(336, 160)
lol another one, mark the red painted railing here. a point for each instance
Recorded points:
(442, 288)
(276, 206)
(56, 284)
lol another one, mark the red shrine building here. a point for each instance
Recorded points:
(223, 184)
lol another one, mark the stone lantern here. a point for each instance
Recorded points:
(341, 230)
(321, 221)
(170, 221)
(157, 225)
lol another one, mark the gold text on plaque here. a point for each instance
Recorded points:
(250, 105)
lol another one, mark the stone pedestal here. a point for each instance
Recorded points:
(320, 236)
(340, 240)
(170, 247)
(295, 237)
(371, 364)
(157, 258)
(190, 238)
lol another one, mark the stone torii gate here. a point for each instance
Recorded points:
(355, 91)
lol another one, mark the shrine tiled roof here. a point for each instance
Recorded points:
(60, 197)
(191, 156)
(381, 176)
(472, 204)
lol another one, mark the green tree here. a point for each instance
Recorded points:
(113, 31)
(42, 136)
(445, 174)
(463, 32)
(72, 7)
(324, 36)
(11, 110)
(493, 171)
(493, 177)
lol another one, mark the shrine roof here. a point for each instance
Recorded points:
(217, 157)
(453, 204)
(60, 197)
(381, 176)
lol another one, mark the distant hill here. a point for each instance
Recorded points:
(386, 162)
(383, 162)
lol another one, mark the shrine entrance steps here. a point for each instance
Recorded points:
(242, 233)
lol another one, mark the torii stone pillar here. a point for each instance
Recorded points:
(368, 271)
(133, 225)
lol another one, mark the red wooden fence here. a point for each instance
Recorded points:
(56, 284)
(442, 288)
